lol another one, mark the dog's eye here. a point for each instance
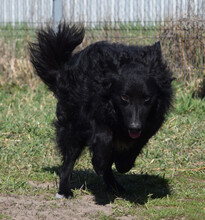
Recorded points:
(147, 100)
(125, 98)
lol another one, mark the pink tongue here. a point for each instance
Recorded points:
(134, 135)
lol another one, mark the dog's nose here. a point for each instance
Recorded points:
(135, 126)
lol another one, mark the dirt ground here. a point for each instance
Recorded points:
(32, 207)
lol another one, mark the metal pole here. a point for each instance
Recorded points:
(57, 13)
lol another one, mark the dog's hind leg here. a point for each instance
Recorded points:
(71, 149)
(66, 172)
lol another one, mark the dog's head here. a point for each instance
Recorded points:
(139, 92)
(134, 98)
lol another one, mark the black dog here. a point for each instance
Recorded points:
(111, 97)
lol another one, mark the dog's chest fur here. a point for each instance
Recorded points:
(122, 145)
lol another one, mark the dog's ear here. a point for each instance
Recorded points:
(157, 49)
(107, 84)
(157, 46)
(154, 55)
(111, 81)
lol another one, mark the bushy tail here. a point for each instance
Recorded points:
(52, 50)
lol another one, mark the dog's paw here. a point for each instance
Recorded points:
(59, 196)
(65, 195)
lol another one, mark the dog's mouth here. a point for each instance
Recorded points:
(134, 134)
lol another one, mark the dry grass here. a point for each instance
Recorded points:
(15, 66)
(183, 43)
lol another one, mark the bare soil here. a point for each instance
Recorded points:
(33, 207)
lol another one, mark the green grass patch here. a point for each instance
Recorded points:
(168, 179)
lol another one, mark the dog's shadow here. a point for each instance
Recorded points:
(139, 187)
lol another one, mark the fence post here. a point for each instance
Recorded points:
(57, 13)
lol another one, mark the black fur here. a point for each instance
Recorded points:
(111, 97)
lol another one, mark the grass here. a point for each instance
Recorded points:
(167, 181)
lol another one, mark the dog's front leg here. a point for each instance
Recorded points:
(101, 146)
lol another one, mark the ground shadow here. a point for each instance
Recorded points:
(139, 188)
